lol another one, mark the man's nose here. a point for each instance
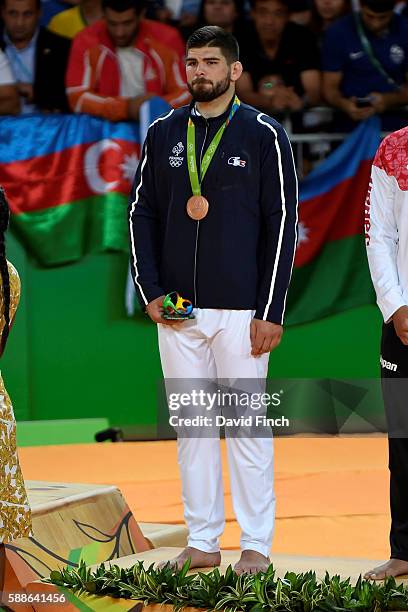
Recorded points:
(201, 69)
(268, 20)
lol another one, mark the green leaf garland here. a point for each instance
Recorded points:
(262, 592)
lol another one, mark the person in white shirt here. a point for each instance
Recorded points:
(38, 58)
(386, 229)
(9, 100)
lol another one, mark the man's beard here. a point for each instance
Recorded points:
(201, 94)
(20, 36)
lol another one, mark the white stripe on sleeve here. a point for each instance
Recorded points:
(282, 224)
(143, 162)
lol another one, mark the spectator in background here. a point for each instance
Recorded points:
(53, 7)
(38, 58)
(74, 19)
(226, 14)
(365, 62)
(404, 10)
(71, 21)
(117, 64)
(221, 13)
(188, 13)
(165, 34)
(401, 7)
(9, 100)
(300, 12)
(166, 11)
(324, 13)
(280, 59)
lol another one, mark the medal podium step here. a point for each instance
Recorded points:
(283, 563)
(72, 522)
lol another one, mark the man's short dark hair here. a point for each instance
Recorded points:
(214, 36)
(379, 6)
(120, 6)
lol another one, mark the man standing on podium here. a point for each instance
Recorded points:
(213, 216)
(386, 229)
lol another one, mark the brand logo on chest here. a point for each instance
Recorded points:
(237, 161)
(397, 54)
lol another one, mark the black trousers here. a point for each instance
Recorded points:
(394, 380)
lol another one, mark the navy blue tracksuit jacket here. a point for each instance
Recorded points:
(240, 256)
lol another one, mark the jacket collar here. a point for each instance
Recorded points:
(197, 118)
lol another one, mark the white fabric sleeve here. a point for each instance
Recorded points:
(6, 75)
(382, 242)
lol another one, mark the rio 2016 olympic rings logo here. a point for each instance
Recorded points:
(175, 162)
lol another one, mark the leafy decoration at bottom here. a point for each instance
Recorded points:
(262, 592)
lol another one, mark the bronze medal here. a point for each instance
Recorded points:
(197, 207)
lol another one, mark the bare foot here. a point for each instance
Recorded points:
(252, 562)
(198, 558)
(393, 567)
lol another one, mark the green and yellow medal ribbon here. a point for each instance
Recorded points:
(196, 180)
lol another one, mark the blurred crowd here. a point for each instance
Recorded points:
(106, 57)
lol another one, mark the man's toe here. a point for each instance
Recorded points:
(170, 564)
(380, 575)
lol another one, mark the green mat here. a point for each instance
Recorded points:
(62, 431)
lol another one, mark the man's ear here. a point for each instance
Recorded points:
(236, 71)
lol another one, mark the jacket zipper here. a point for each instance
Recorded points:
(198, 222)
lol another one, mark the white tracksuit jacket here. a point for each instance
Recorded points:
(386, 223)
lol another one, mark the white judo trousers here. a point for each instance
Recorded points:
(216, 345)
